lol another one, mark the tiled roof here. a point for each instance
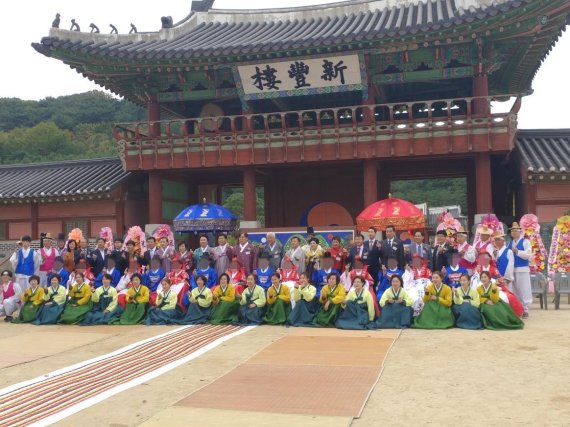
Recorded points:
(545, 151)
(230, 32)
(74, 178)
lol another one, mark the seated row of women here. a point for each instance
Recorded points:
(443, 307)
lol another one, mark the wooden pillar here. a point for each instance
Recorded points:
(483, 183)
(481, 106)
(34, 218)
(249, 195)
(153, 108)
(370, 182)
(120, 215)
(154, 198)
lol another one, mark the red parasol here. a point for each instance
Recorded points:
(397, 212)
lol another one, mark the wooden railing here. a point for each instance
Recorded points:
(342, 125)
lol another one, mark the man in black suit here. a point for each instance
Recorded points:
(392, 246)
(150, 252)
(371, 255)
(441, 251)
(97, 257)
(420, 248)
(120, 256)
(357, 250)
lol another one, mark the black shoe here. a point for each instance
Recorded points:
(8, 319)
(525, 315)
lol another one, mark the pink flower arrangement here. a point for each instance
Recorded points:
(531, 231)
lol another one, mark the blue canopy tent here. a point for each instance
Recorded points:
(204, 217)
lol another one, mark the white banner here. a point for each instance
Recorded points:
(300, 74)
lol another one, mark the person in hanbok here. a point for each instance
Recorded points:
(198, 303)
(203, 249)
(386, 273)
(454, 270)
(79, 302)
(466, 305)
(289, 276)
(154, 275)
(222, 254)
(252, 303)
(205, 269)
(339, 254)
(32, 299)
(273, 250)
(306, 303)
(331, 300)
(25, 262)
(237, 275)
(48, 255)
(358, 307)
(416, 278)
(10, 296)
(184, 257)
(495, 313)
(296, 255)
(137, 301)
(467, 253)
(484, 243)
(522, 252)
(246, 254)
(225, 304)
(313, 258)
(397, 306)
(437, 298)
(165, 311)
(55, 296)
(105, 303)
(165, 251)
(278, 302)
(263, 273)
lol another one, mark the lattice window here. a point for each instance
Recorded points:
(3, 231)
(78, 223)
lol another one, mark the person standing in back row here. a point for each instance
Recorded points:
(522, 252)
(392, 246)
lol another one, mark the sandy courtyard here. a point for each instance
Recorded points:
(430, 377)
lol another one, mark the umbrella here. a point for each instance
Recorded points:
(397, 212)
(204, 217)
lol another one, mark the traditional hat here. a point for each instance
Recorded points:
(462, 231)
(515, 226)
(60, 236)
(499, 235)
(327, 255)
(310, 230)
(441, 233)
(47, 236)
(484, 229)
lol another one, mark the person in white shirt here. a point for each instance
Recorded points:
(25, 262)
(296, 255)
(522, 252)
(10, 294)
(504, 258)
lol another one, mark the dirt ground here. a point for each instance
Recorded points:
(430, 377)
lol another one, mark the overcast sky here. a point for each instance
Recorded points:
(27, 74)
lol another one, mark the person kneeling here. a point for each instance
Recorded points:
(226, 304)
(198, 302)
(252, 303)
(358, 308)
(33, 299)
(331, 299)
(137, 299)
(496, 314)
(54, 297)
(278, 302)
(305, 303)
(396, 305)
(79, 303)
(165, 312)
(466, 305)
(105, 303)
(436, 313)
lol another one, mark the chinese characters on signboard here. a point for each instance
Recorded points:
(302, 75)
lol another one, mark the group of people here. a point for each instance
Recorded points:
(371, 284)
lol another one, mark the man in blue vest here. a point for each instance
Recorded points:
(25, 262)
(504, 258)
(522, 252)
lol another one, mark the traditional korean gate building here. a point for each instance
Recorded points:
(331, 103)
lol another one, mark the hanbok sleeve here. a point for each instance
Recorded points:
(445, 296)
(243, 300)
(475, 300)
(457, 297)
(259, 295)
(115, 301)
(407, 298)
(308, 293)
(428, 294)
(207, 300)
(340, 296)
(369, 305)
(144, 296)
(97, 294)
(385, 297)
(271, 296)
(527, 252)
(85, 295)
(39, 297)
(285, 294)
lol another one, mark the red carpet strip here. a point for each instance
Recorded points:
(55, 396)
